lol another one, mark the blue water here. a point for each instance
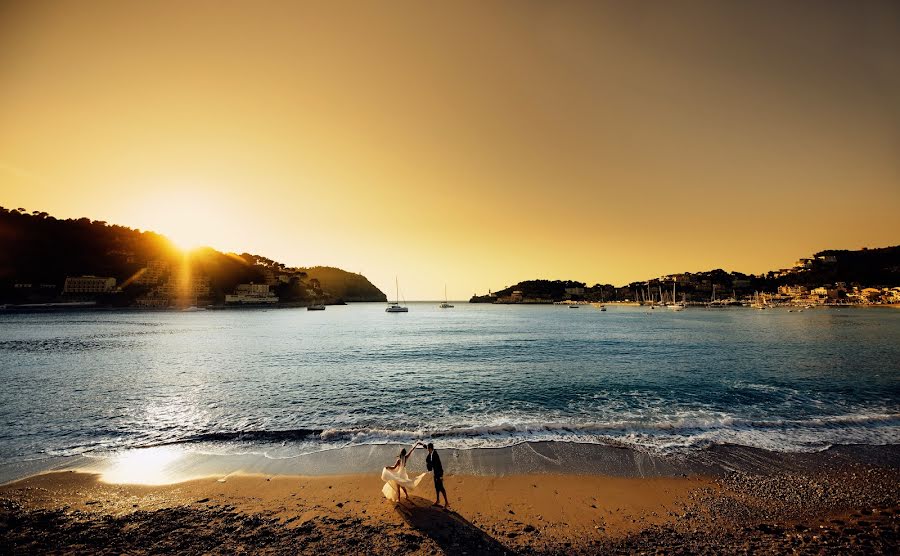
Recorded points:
(286, 382)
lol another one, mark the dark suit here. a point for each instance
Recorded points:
(433, 463)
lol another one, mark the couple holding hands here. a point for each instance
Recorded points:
(397, 480)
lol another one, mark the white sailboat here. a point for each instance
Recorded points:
(445, 304)
(716, 303)
(759, 302)
(676, 306)
(395, 307)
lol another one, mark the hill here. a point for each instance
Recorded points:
(347, 286)
(38, 252)
(879, 267)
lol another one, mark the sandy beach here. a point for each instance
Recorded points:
(845, 504)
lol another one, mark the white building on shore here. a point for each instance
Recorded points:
(89, 284)
(252, 294)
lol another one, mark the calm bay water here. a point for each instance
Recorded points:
(287, 382)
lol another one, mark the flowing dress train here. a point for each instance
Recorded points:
(396, 478)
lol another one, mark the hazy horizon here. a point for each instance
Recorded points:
(476, 145)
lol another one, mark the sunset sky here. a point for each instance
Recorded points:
(475, 144)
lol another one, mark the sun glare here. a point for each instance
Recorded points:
(185, 241)
(193, 220)
(149, 466)
(187, 231)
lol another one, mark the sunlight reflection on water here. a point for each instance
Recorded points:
(149, 466)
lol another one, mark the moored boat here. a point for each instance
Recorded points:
(395, 307)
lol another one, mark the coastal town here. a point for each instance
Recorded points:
(851, 278)
(826, 295)
(160, 285)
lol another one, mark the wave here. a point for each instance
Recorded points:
(251, 436)
(681, 434)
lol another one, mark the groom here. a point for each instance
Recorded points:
(433, 463)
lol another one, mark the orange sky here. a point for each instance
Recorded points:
(472, 143)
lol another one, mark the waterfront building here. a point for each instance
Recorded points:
(153, 273)
(793, 291)
(252, 294)
(191, 287)
(890, 295)
(178, 290)
(89, 284)
(870, 295)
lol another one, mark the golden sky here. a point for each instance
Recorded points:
(470, 143)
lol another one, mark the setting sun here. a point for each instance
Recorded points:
(190, 217)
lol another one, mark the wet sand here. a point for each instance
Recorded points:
(840, 501)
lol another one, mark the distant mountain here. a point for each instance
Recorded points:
(548, 290)
(877, 267)
(347, 286)
(38, 252)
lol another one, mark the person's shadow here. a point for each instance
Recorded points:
(448, 529)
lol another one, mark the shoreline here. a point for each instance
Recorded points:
(167, 464)
(845, 501)
(92, 306)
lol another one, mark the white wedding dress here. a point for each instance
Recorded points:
(396, 478)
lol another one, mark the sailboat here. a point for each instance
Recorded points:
(676, 306)
(759, 301)
(602, 304)
(445, 304)
(716, 303)
(395, 306)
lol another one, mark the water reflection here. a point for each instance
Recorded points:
(147, 466)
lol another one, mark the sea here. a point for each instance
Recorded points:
(286, 382)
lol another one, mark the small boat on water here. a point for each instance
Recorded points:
(676, 306)
(395, 307)
(759, 301)
(573, 306)
(316, 307)
(717, 303)
(445, 304)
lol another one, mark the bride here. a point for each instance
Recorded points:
(396, 478)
